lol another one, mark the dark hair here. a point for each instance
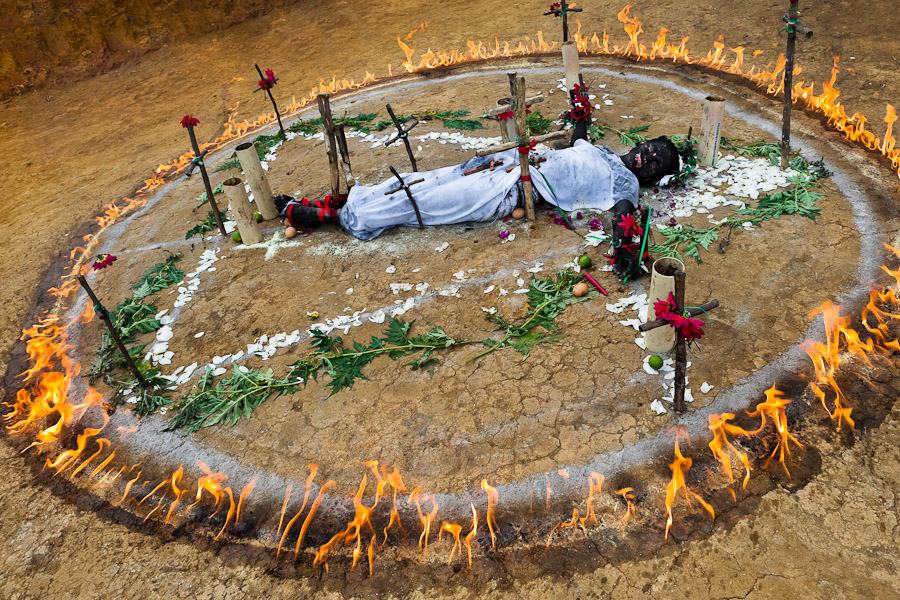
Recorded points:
(281, 202)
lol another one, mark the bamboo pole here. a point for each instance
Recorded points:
(242, 211)
(793, 14)
(334, 163)
(571, 65)
(257, 180)
(517, 91)
(711, 131)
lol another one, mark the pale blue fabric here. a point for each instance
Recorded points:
(583, 176)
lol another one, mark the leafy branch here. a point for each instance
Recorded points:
(206, 225)
(547, 298)
(632, 137)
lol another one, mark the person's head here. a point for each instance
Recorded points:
(652, 160)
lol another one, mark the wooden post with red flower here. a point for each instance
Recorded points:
(687, 328)
(188, 122)
(103, 261)
(266, 83)
(517, 91)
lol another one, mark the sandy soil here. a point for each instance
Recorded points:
(836, 537)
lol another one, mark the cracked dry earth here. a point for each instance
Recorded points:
(835, 537)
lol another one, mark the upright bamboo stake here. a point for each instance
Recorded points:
(571, 65)
(334, 162)
(793, 14)
(241, 210)
(104, 316)
(257, 180)
(517, 91)
(710, 131)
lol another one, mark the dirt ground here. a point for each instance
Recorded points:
(835, 537)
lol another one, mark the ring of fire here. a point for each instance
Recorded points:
(826, 358)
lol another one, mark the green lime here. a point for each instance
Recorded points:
(258, 217)
(655, 362)
(584, 261)
(236, 236)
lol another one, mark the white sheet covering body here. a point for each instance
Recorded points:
(583, 176)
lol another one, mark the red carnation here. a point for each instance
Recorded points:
(631, 226)
(103, 261)
(189, 121)
(691, 329)
(269, 82)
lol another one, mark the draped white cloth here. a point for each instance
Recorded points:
(583, 176)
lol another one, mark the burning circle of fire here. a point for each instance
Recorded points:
(45, 393)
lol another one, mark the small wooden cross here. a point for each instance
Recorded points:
(272, 98)
(680, 344)
(793, 26)
(402, 134)
(562, 10)
(405, 187)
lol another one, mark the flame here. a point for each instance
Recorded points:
(454, 530)
(396, 484)
(354, 530)
(563, 525)
(312, 512)
(471, 535)
(595, 485)
(245, 492)
(212, 483)
(774, 408)
(425, 519)
(628, 496)
(680, 466)
(720, 427)
(313, 469)
(493, 498)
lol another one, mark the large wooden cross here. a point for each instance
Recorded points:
(522, 141)
(331, 143)
(793, 26)
(680, 344)
(405, 187)
(402, 134)
(562, 11)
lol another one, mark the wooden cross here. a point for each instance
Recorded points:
(508, 126)
(345, 156)
(522, 141)
(562, 10)
(272, 98)
(793, 26)
(334, 161)
(680, 344)
(402, 134)
(405, 187)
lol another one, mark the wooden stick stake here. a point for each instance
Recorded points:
(256, 179)
(198, 158)
(680, 345)
(517, 91)
(402, 134)
(405, 187)
(793, 14)
(272, 98)
(553, 135)
(104, 316)
(345, 156)
(330, 143)
(241, 210)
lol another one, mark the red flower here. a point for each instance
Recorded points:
(269, 82)
(581, 103)
(189, 121)
(631, 226)
(103, 261)
(691, 329)
(505, 115)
